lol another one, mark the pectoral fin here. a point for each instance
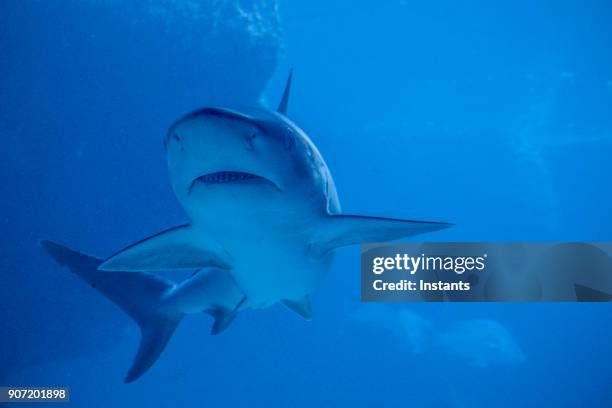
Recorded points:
(176, 248)
(342, 230)
(302, 307)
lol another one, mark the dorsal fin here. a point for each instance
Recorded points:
(282, 106)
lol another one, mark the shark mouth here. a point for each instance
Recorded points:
(227, 177)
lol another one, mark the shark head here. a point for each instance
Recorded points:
(219, 155)
(216, 150)
(227, 160)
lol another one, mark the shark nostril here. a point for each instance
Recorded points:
(175, 137)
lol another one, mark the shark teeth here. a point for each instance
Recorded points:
(225, 177)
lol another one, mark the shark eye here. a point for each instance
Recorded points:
(289, 141)
(250, 141)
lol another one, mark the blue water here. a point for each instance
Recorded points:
(493, 115)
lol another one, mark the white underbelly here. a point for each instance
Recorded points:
(267, 243)
(268, 271)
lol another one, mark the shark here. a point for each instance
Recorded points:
(264, 222)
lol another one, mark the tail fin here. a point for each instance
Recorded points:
(136, 293)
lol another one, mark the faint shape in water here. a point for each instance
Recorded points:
(477, 342)
(411, 328)
(481, 343)
(415, 329)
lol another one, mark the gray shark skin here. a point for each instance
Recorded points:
(264, 213)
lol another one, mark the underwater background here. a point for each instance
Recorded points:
(496, 116)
